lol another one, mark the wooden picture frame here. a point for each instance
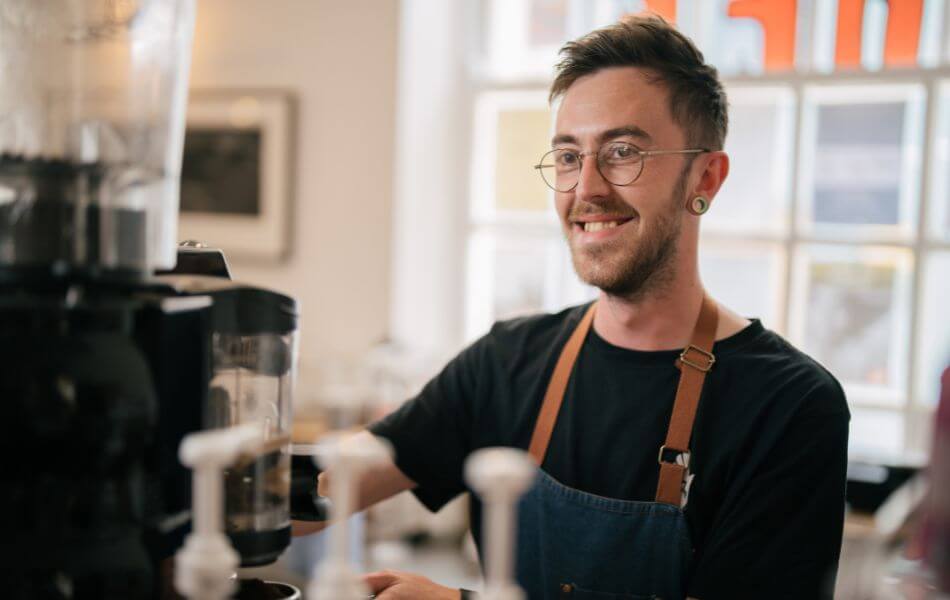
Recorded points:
(237, 169)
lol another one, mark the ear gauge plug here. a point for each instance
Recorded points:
(697, 205)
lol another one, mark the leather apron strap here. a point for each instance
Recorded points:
(694, 362)
(554, 395)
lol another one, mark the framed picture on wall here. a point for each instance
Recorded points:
(237, 169)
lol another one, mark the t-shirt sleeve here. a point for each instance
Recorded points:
(779, 532)
(431, 433)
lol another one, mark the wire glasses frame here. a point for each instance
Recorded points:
(619, 163)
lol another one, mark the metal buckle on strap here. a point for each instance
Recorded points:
(711, 360)
(676, 454)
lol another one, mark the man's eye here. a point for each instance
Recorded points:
(621, 151)
(567, 159)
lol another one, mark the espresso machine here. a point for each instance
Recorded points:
(112, 349)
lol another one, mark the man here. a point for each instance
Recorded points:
(738, 491)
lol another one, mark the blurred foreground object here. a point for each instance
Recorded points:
(903, 550)
(500, 476)
(936, 532)
(205, 565)
(347, 458)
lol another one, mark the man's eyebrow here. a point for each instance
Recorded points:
(625, 131)
(563, 138)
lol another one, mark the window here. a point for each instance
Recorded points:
(516, 255)
(746, 276)
(756, 194)
(861, 159)
(511, 132)
(851, 313)
(833, 227)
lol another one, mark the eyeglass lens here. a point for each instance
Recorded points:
(619, 163)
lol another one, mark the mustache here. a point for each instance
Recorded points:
(618, 209)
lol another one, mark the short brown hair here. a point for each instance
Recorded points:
(697, 98)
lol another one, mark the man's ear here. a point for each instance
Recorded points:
(714, 173)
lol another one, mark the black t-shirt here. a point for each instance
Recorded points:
(769, 448)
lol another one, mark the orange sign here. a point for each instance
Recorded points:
(778, 19)
(664, 8)
(903, 32)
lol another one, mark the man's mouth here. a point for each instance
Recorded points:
(598, 225)
(602, 225)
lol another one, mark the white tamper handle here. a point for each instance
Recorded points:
(500, 476)
(205, 563)
(346, 458)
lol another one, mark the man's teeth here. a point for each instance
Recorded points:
(598, 225)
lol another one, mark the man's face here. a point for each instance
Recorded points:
(623, 239)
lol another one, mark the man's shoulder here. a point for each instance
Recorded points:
(539, 326)
(532, 335)
(780, 370)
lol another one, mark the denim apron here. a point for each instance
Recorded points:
(575, 545)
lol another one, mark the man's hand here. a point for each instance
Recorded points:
(393, 585)
(376, 484)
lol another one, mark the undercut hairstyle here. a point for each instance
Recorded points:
(697, 98)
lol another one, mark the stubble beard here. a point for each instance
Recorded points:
(642, 270)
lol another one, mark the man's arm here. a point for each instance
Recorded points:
(376, 484)
(431, 436)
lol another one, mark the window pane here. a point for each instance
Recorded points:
(876, 434)
(598, 13)
(755, 195)
(851, 313)
(566, 288)
(510, 274)
(521, 37)
(548, 22)
(512, 131)
(746, 277)
(860, 160)
(939, 220)
(519, 278)
(523, 136)
(933, 328)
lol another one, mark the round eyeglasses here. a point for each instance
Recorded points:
(619, 163)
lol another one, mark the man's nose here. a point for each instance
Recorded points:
(590, 183)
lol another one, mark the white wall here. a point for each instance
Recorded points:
(339, 58)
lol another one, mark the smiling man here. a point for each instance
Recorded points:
(684, 450)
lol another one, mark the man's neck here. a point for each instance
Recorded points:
(662, 320)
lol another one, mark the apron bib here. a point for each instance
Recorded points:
(575, 545)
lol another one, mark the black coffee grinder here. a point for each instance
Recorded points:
(103, 366)
(253, 348)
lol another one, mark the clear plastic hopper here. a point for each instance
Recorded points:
(92, 101)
